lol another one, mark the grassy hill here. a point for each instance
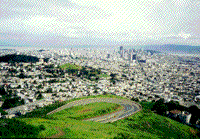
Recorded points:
(144, 124)
(86, 111)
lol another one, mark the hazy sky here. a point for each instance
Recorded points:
(99, 22)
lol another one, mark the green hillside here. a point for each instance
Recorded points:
(86, 111)
(144, 124)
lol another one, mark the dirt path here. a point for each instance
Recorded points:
(61, 133)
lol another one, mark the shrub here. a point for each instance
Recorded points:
(160, 106)
(42, 127)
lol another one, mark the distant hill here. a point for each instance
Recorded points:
(18, 58)
(7, 50)
(173, 48)
(151, 51)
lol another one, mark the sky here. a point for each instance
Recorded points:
(62, 23)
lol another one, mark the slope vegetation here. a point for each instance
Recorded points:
(144, 124)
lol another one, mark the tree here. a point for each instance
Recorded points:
(39, 86)
(22, 75)
(135, 99)
(97, 78)
(160, 107)
(19, 86)
(42, 127)
(113, 75)
(105, 93)
(40, 96)
(49, 90)
(11, 102)
(194, 110)
(2, 90)
(112, 81)
(95, 91)
(3, 112)
(172, 105)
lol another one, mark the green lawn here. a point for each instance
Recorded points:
(144, 124)
(103, 76)
(86, 111)
(70, 66)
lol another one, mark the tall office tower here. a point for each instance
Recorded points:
(122, 51)
(134, 57)
(130, 55)
(108, 55)
(121, 48)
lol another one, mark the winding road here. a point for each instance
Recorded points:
(130, 108)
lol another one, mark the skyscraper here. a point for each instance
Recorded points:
(130, 55)
(122, 51)
(121, 48)
(108, 55)
(134, 57)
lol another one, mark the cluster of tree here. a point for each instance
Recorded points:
(12, 58)
(42, 112)
(5, 94)
(12, 71)
(113, 78)
(51, 66)
(3, 112)
(135, 99)
(12, 102)
(2, 90)
(10, 128)
(194, 110)
(90, 73)
(22, 75)
(40, 96)
(160, 107)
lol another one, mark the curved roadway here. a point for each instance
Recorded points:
(130, 108)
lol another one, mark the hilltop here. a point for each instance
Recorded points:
(144, 124)
(173, 48)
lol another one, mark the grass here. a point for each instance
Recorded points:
(144, 124)
(103, 76)
(86, 111)
(70, 66)
(41, 112)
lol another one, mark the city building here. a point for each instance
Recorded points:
(108, 55)
(121, 51)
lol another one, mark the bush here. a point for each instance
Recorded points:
(160, 106)
(3, 112)
(39, 97)
(12, 102)
(173, 105)
(17, 129)
(135, 99)
(42, 127)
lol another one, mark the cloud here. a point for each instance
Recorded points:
(122, 21)
(184, 35)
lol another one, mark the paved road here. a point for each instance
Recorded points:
(129, 108)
